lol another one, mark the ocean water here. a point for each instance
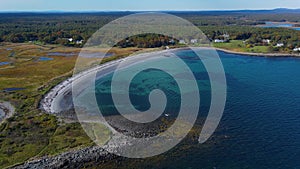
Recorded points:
(260, 127)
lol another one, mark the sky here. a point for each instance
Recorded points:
(143, 5)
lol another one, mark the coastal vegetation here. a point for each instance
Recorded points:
(24, 81)
(241, 46)
(74, 29)
(38, 51)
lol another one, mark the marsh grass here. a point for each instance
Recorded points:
(30, 132)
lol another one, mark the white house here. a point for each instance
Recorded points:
(79, 42)
(194, 40)
(70, 39)
(279, 45)
(296, 49)
(182, 41)
(219, 41)
(268, 41)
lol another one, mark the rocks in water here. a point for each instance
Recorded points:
(72, 159)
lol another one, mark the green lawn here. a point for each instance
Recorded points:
(240, 46)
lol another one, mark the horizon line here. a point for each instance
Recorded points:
(183, 10)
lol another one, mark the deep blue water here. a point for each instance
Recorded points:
(261, 123)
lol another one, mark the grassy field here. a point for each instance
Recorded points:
(31, 133)
(240, 46)
(68, 136)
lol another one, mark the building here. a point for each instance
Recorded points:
(78, 42)
(182, 41)
(219, 41)
(268, 41)
(296, 49)
(70, 39)
(279, 45)
(194, 41)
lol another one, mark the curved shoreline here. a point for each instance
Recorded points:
(46, 102)
(94, 153)
(80, 156)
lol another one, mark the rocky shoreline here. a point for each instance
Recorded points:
(71, 159)
(47, 102)
(74, 159)
(96, 154)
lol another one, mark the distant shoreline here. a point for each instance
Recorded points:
(258, 54)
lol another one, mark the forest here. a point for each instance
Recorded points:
(73, 29)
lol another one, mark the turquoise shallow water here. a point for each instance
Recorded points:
(261, 123)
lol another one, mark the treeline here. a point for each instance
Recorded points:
(52, 28)
(255, 35)
(59, 28)
(240, 18)
(147, 41)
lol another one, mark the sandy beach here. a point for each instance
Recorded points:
(53, 103)
(50, 102)
(57, 95)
